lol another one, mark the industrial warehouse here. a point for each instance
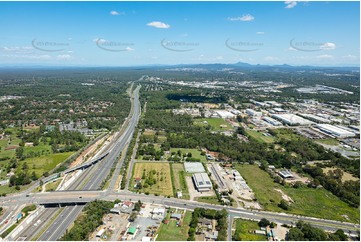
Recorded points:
(335, 131)
(202, 182)
(291, 119)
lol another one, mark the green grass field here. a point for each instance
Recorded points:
(307, 201)
(210, 200)
(195, 153)
(243, 231)
(179, 179)
(286, 134)
(163, 185)
(4, 143)
(171, 232)
(215, 123)
(328, 141)
(41, 148)
(251, 126)
(6, 189)
(52, 186)
(45, 163)
(260, 137)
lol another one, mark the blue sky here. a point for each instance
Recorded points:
(146, 33)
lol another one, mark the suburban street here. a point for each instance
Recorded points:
(57, 220)
(90, 179)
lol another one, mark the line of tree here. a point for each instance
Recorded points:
(86, 224)
(305, 232)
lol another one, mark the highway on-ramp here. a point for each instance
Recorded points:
(82, 193)
(89, 180)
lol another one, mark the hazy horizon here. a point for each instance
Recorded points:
(128, 34)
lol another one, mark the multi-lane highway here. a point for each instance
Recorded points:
(85, 189)
(282, 218)
(57, 221)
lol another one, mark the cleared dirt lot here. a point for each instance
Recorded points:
(114, 224)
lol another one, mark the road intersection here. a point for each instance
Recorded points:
(75, 199)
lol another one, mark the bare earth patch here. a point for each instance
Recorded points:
(285, 196)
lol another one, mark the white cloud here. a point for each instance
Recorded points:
(271, 58)
(129, 49)
(291, 48)
(324, 57)
(219, 58)
(350, 57)
(260, 32)
(328, 46)
(159, 25)
(64, 57)
(244, 18)
(114, 13)
(30, 57)
(18, 49)
(290, 4)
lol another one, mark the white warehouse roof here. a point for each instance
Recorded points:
(315, 118)
(291, 119)
(225, 114)
(202, 181)
(192, 167)
(335, 131)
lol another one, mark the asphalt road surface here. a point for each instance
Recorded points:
(90, 179)
(99, 172)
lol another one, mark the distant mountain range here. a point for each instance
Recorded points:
(243, 65)
(215, 66)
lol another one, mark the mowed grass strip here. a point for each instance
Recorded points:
(171, 232)
(260, 137)
(244, 229)
(215, 123)
(163, 185)
(307, 201)
(210, 200)
(179, 179)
